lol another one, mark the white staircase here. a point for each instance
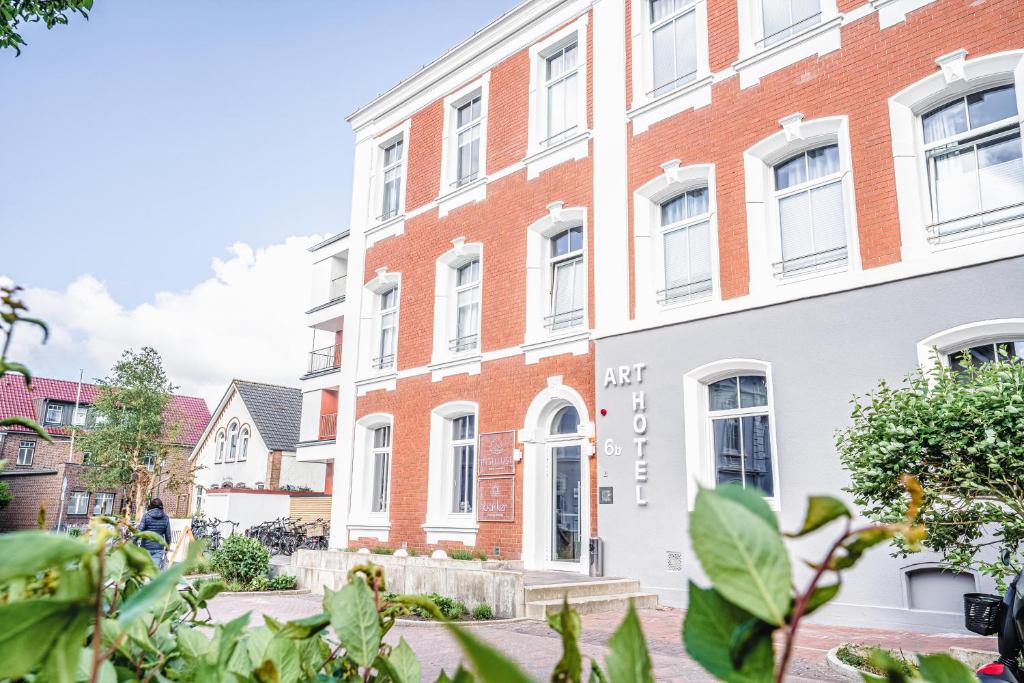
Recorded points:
(586, 596)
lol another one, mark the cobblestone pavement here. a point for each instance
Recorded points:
(537, 648)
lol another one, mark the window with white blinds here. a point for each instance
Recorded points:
(467, 122)
(567, 280)
(686, 240)
(975, 166)
(561, 74)
(467, 307)
(812, 224)
(785, 18)
(673, 25)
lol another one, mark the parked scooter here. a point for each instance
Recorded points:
(990, 615)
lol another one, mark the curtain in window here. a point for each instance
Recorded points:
(381, 462)
(675, 52)
(687, 260)
(468, 313)
(568, 295)
(1001, 173)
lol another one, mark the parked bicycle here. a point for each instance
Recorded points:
(210, 529)
(285, 535)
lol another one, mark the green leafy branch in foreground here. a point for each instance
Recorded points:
(13, 13)
(12, 313)
(95, 609)
(730, 627)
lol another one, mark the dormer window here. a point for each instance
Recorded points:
(54, 414)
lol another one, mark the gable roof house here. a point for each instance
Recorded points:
(249, 443)
(49, 476)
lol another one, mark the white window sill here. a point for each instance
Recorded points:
(464, 363)
(813, 273)
(384, 229)
(474, 191)
(539, 159)
(684, 302)
(693, 95)
(575, 341)
(818, 40)
(974, 235)
(386, 381)
(452, 528)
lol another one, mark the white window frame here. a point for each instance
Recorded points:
(220, 446)
(454, 194)
(955, 75)
(244, 435)
(543, 153)
(149, 461)
(398, 167)
(648, 238)
(98, 504)
(79, 416)
(540, 341)
(50, 407)
(26, 453)
(380, 453)
(370, 378)
(757, 60)
(937, 347)
(445, 359)
(699, 443)
(456, 480)
(364, 522)
(764, 235)
(80, 500)
(384, 362)
(647, 107)
(442, 524)
(575, 258)
(232, 441)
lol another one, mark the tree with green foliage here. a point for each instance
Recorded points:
(14, 13)
(131, 435)
(960, 431)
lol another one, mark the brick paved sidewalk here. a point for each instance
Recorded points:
(537, 648)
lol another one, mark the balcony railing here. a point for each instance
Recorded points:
(460, 344)
(328, 426)
(337, 289)
(327, 358)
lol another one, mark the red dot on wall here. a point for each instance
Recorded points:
(604, 412)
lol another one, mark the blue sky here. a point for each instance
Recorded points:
(150, 138)
(167, 164)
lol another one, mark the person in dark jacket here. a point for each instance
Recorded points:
(157, 521)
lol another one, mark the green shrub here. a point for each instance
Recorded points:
(450, 607)
(483, 612)
(260, 583)
(282, 582)
(461, 554)
(860, 657)
(382, 550)
(480, 555)
(241, 559)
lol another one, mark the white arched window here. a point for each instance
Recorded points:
(957, 152)
(243, 450)
(371, 476)
(977, 343)
(452, 477)
(221, 443)
(800, 202)
(686, 246)
(729, 427)
(566, 421)
(232, 441)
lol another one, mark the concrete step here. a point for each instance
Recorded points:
(591, 604)
(580, 589)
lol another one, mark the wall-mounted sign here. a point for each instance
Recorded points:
(632, 376)
(496, 456)
(605, 495)
(496, 500)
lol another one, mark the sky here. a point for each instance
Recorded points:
(166, 165)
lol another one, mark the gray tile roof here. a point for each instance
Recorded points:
(275, 410)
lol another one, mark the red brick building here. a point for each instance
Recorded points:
(587, 197)
(46, 478)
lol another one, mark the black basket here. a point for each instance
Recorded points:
(983, 613)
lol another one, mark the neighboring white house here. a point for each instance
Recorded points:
(250, 444)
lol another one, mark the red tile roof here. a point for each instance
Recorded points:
(16, 399)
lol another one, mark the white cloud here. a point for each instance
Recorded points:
(245, 321)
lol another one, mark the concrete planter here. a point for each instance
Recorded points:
(498, 583)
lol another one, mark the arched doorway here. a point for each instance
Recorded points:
(556, 492)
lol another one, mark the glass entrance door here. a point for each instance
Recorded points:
(565, 503)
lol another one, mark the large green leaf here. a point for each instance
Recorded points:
(155, 595)
(743, 555)
(750, 499)
(305, 628)
(62, 660)
(354, 618)
(708, 632)
(940, 668)
(28, 631)
(285, 656)
(405, 668)
(26, 553)
(820, 511)
(192, 644)
(489, 665)
(567, 624)
(628, 660)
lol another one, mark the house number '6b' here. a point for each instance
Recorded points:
(610, 448)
